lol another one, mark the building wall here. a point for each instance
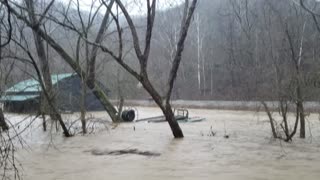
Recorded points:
(68, 93)
(68, 98)
(28, 106)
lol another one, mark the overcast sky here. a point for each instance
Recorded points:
(135, 7)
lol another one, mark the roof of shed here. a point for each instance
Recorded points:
(30, 85)
(33, 85)
(17, 97)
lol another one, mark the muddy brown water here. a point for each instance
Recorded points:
(248, 153)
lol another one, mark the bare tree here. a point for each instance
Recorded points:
(43, 58)
(97, 90)
(4, 74)
(269, 37)
(90, 56)
(3, 125)
(7, 148)
(29, 59)
(5, 9)
(297, 58)
(311, 11)
(143, 56)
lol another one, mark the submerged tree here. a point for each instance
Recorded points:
(43, 58)
(5, 38)
(273, 38)
(163, 101)
(19, 12)
(8, 164)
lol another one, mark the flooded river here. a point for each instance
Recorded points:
(248, 153)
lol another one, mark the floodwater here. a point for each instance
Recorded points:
(248, 153)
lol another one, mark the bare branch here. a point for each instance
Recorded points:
(180, 48)
(9, 32)
(312, 13)
(150, 22)
(136, 42)
(46, 11)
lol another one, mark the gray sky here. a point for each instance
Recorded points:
(135, 7)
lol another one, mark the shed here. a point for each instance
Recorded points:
(24, 97)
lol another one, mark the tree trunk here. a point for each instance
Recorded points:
(121, 102)
(164, 106)
(211, 80)
(198, 54)
(83, 107)
(301, 113)
(295, 125)
(174, 125)
(44, 64)
(120, 96)
(44, 123)
(273, 129)
(83, 123)
(54, 110)
(299, 89)
(63, 126)
(3, 125)
(102, 97)
(284, 110)
(99, 38)
(97, 90)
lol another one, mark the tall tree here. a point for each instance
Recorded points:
(43, 58)
(4, 14)
(96, 89)
(143, 56)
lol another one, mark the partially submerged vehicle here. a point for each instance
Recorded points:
(180, 114)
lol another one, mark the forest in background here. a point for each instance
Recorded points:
(238, 50)
(235, 50)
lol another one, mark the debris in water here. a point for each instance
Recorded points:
(98, 152)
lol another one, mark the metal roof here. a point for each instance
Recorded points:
(17, 97)
(27, 86)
